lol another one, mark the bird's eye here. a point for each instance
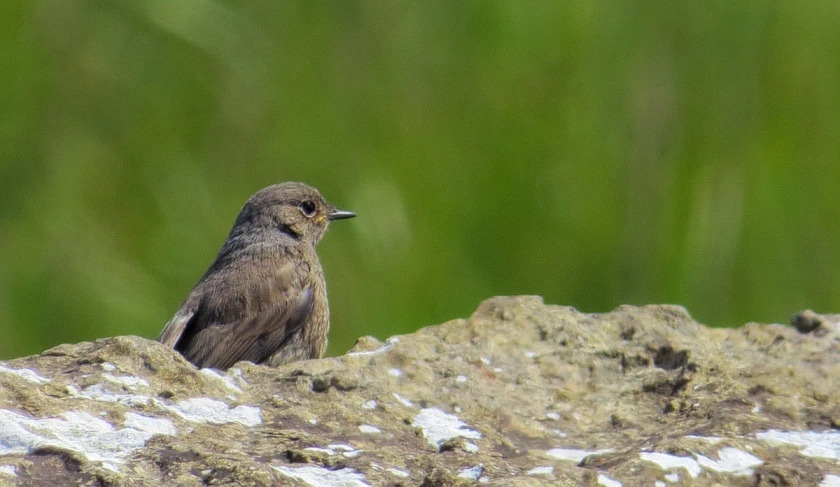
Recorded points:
(308, 208)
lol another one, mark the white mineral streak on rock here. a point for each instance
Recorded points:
(471, 473)
(8, 470)
(78, 432)
(25, 374)
(814, 444)
(405, 402)
(322, 477)
(607, 482)
(732, 461)
(830, 481)
(206, 410)
(389, 343)
(225, 379)
(667, 462)
(369, 429)
(98, 392)
(398, 473)
(348, 451)
(438, 426)
(541, 470)
(155, 426)
(341, 446)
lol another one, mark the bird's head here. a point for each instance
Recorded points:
(292, 208)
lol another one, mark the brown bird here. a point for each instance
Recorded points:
(264, 298)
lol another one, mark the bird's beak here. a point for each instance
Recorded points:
(340, 214)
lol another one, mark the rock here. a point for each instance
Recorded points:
(809, 322)
(521, 393)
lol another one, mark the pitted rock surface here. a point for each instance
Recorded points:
(521, 393)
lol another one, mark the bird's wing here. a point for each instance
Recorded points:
(175, 328)
(248, 323)
(258, 337)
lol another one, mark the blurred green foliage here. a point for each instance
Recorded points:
(593, 153)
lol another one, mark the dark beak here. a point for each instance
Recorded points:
(340, 214)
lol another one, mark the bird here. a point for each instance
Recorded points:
(264, 298)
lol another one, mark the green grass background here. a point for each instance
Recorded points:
(593, 153)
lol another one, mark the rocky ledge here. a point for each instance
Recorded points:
(521, 393)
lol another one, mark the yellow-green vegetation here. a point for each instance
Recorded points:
(596, 154)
